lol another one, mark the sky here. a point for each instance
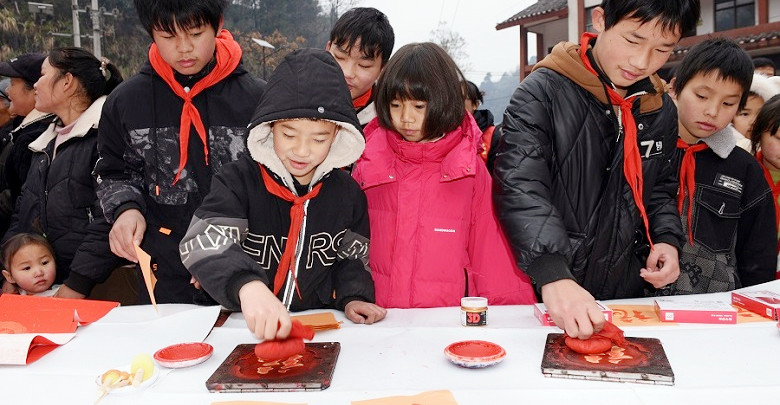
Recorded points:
(475, 20)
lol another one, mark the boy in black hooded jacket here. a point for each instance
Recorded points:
(285, 229)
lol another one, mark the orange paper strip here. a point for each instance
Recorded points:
(442, 397)
(319, 321)
(636, 315)
(144, 260)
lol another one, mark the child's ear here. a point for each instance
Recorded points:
(8, 276)
(672, 93)
(219, 27)
(597, 16)
(327, 46)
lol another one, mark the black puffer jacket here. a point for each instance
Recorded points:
(560, 191)
(58, 199)
(139, 158)
(18, 163)
(238, 234)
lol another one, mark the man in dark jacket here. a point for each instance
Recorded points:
(583, 173)
(165, 131)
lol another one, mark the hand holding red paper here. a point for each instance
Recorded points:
(600, 342)
(264, 314)
(272, 350)
(572, 308)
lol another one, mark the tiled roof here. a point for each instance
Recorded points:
(538, 8)
(752, 41)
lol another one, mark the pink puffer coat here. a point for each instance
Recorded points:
(434, 233)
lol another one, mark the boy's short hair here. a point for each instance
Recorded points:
(425, 72)
(473, 93)
(168, 14)
(763, 62)
(368, 25)
(18, 241)
(720, 55)
(767, 120)
(674, 15)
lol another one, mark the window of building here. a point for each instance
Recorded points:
(730, 14)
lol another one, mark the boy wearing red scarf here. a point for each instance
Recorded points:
(724, 201)
(167, 130)
(362, 41)
(283, 228)
(584, 187)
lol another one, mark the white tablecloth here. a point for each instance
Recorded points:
(403, 355)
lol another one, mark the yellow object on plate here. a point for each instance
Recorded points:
(144, 362)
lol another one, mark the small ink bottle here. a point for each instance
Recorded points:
(473, 311)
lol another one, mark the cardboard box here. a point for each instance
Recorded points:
(695, 311)
(764, 303)
(540, 312)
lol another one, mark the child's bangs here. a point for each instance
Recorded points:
(412, 88)
(169, 20)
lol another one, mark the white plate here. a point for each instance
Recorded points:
(129, 389)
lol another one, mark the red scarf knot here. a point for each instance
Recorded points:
(228, 56)
(632, 160)
(296, 222)
(688, 180)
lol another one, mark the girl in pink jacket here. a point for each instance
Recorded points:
(434, 235)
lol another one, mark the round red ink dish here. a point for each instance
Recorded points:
(475, 353)
(183, 354)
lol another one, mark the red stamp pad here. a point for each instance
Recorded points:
(475, 353)
(183, 354)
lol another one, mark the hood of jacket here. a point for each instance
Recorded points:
(308, 84)
(457, 152)
(724, 141)
(565, 59)
(86, 121)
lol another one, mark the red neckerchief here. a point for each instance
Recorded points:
(774, 186)
(632, 160)
(363, 100)
(688, 179)
(228, 54)
(296, 221)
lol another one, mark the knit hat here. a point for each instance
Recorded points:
(764, 86)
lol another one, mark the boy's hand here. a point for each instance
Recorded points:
(572, 308)
(364, 312)
(127, 232)
(663, 265)
(67, 292)
(265, 315)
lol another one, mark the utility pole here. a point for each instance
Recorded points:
(96, 34)
(76, 28)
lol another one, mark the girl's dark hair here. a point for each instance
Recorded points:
(166, 15)
(18, 241)
(97, 78)
(674, 15)
(473, 93)
(767, 120)
(423, 71)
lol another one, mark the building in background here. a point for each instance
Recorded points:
(754, 24)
